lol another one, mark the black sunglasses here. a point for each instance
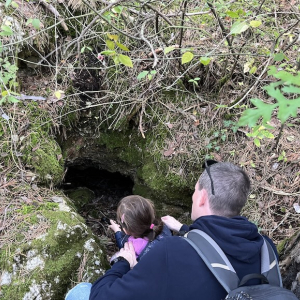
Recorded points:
(206, 165)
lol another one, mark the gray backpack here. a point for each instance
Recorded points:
(219, 265)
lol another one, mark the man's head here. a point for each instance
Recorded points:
(223, 193)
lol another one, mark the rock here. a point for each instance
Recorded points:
(64, 252)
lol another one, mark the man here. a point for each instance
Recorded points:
(173, 270)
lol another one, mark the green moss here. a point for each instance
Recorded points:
(55, 258)
(80, 196)
(281, 246)
(44, 159)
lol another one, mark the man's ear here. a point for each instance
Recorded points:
(203, 197)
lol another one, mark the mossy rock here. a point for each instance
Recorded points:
(80, 196)
(67, 252)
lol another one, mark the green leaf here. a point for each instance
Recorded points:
(272, 70)
(153, 72)
(288, 109)
(113, 37)
(279, 56)
(142, 75)
(116, 59)
(14, 4)
(239, 27)
(117, 9)
(205, 60)
(7, 31)
(82, 49)
(267, 134)
(108, 52)
(255, 24)
(291, 89)
(169, 49)
(253, 70)
(36, 23)
(125, 60)
(186, 57)
(110, 44)
(257, 142)
(122, 47)
(12, 99)
(232, 14)
(288, 77)
(251, 116)
(275, 93)
(7, 3)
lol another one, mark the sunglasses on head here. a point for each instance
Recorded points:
(206, 165)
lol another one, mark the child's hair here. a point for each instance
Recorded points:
(136, 215)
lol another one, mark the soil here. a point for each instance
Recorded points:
(109, 189)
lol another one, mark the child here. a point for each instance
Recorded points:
(137, 218)
(139, 224)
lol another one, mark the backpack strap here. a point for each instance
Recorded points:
(269, 264)
(218, 263)
(214, 258)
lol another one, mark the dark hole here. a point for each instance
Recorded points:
(96, 194)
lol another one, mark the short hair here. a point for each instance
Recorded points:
(231, 188)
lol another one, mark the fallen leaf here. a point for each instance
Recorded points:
(171, 150)
(35, 148)
(197, 123)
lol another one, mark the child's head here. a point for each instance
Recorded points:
(136, 215)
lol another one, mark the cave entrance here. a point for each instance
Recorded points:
(96, 194)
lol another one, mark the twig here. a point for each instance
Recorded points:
(148, 43)
(100, 14)
(191, 14)
(282, 193)
(56, 13)
(159, 13)
(278, 136)
(282, 221)
(229, 41)
(182, 23)
(141, 120)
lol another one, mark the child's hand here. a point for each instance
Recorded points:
(114, 226)
(172, 223)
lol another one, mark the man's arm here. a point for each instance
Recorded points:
(121, 283)
(175, 225)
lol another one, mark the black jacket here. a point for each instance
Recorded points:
(174, 271)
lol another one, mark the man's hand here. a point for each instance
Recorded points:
(172, 223)
(129, 254)
(114, 226)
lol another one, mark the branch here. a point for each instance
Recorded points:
(56, 13)
(148, 43)
(220, 23)
(100, 15)
(182, 23)
(159, 13)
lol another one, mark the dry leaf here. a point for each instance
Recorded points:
(171, 149)
(197, 123)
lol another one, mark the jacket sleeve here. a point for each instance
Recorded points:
(121, 283)
(184, 229)
(120, 239)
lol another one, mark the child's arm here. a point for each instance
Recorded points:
(114, 226)
(119, 235)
